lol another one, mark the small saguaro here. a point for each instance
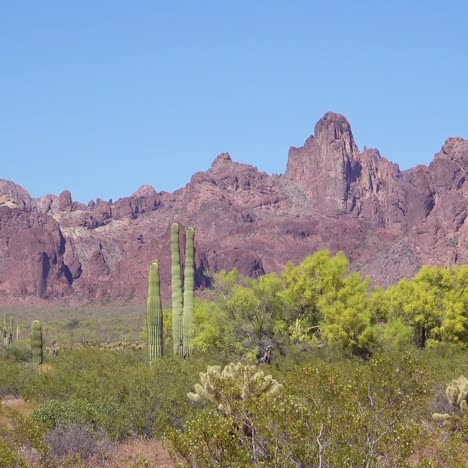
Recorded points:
(37, 345)
(154, 315)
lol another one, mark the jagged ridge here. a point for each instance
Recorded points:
(332, 195)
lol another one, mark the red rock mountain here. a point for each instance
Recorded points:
(388, 222)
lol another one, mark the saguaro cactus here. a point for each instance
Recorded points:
(189, 287)
(154, 315)
(177, 304)
(7, 330)
(37, 345)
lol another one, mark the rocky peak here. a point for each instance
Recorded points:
(65, 201)
(333, 129)
(222, 157)
(13, 195)
(144, 191)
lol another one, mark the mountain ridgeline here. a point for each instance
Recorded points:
(388, 222)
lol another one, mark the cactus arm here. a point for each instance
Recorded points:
(189, 288)
(177, 305)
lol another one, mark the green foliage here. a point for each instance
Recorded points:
(434, 304)
(154, 317)
(37, 345)
(333, 414)
(177, 299)
(189, 289)
(395, 335)
(19, 432)
(19, 351)
(64, 413)
(129, 396)
(212, 331)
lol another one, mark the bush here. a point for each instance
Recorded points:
(76, 439)
(64, 413)
(19, 351)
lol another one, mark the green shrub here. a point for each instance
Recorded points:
(63, 413)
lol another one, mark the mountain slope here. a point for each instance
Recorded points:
(332, 195)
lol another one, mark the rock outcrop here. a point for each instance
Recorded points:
(388, 222)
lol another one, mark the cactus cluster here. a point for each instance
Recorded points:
(37, 344)
(182, 304)
(154, 317)
(235, 382)
(8, 330)
(457, 395)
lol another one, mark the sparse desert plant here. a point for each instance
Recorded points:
(37, 345)
(78, 440)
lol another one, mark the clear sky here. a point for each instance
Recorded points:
(101, 97)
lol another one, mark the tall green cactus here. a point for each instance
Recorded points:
(154, 315)
(189, 287)
(37, 345)
(177, 304)
(7, 330)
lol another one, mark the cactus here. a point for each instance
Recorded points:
(7, 330)
(235, 382)
(189, 286)
(37, 343)
(154, 317)
(457, 395)
(177, 304)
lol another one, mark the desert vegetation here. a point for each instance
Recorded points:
(311, 367)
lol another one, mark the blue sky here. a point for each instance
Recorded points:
(101, 97)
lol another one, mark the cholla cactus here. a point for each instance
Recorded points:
(235, 382)
(457, 395)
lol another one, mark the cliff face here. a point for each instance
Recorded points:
(332, 195)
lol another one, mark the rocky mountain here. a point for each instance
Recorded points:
(388, 222)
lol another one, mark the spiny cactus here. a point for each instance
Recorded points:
(189, 287)
(154, 315)
(7, 330)
(176, 284)
(457, 395)
(236, 382)
(37, 343)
